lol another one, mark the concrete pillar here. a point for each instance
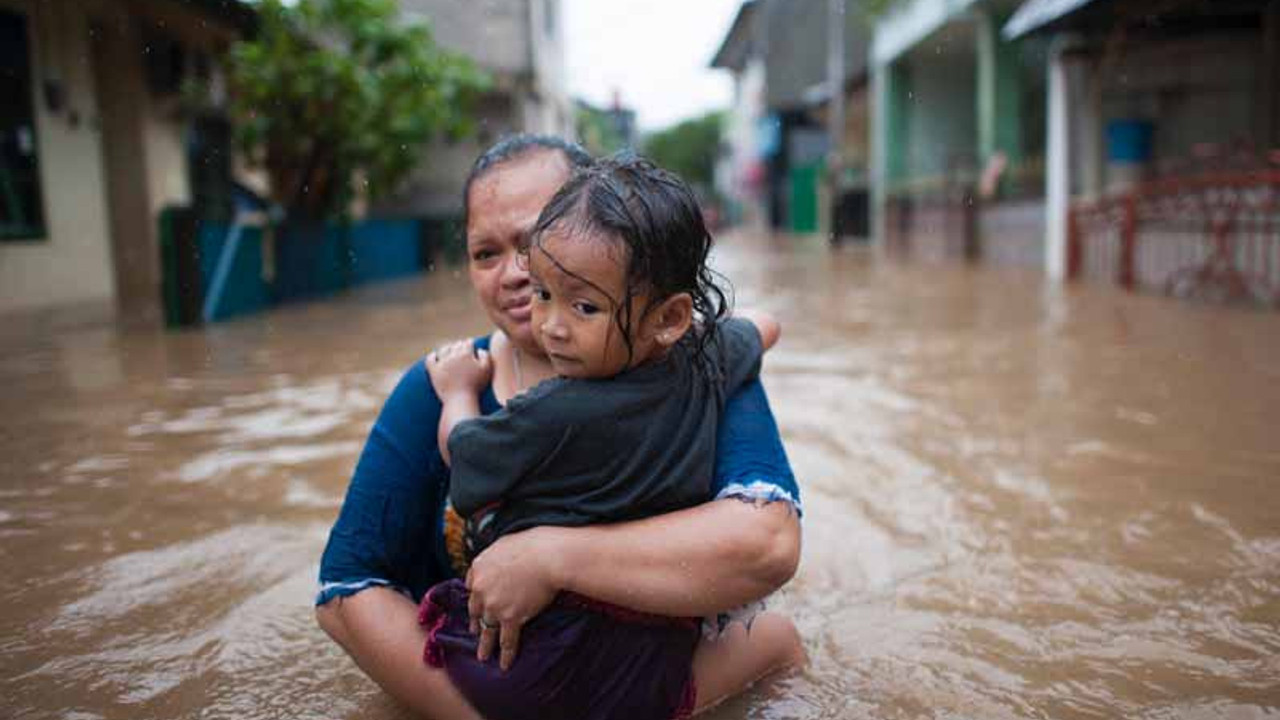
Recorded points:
(121, 97)
(1269, 78)
(890, 90)
(999, 91)
(1085, 85)
(1058, 165)
(879, 152)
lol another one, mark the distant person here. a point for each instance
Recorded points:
(629, 314)
(397, 536)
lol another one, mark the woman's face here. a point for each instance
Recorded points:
(503, 206)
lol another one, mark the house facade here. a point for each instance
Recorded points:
(94, 142)
(958, 133)
(1133, 143)
(778, 134)
(1164, 144)
(521, 44)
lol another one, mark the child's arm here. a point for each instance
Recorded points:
(769, 327)
(741, 341)
(458, 374)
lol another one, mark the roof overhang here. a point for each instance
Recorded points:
(907, 24)
(732, 54)
(238, 14)
(1037, 14)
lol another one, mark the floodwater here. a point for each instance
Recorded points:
(1020, 500)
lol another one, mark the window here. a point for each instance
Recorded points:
(21, 207)
(549, 18)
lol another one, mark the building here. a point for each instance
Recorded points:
(521, 44)
(958, 133)
(95, 141)
(778, 136)
(1164, 143)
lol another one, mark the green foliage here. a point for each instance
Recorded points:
(334, 90)
(877, 8)
(689, 149)
(596, 131)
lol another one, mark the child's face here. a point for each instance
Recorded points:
(578, 284)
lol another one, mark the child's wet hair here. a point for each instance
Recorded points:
(653, 215)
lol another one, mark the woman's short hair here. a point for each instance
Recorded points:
(514, 147)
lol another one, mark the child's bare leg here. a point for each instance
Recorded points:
(727, 665)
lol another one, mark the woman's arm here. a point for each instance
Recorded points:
(693, 562)
(383, 545)
(688, 563)
(696, 561)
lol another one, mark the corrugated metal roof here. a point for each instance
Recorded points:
(737, 42)
(1037, 13)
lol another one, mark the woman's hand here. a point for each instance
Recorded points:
(459, 369)
(513, 580)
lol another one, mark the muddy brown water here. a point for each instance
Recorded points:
(1020, 500)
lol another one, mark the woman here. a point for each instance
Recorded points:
(388, 547)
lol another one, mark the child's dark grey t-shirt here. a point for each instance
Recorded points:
(581, 452)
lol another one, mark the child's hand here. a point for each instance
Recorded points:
(459, 369)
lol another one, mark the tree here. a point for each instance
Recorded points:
(689, 149)
(333, 90)
(874, 9)
(596, 130)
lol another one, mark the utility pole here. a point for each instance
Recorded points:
(835, 108)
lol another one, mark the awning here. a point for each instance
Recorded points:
(1035, 14)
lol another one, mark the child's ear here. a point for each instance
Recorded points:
(671, 319)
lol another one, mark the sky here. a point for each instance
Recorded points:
(656, 53)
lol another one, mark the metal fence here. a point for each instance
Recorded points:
(1214, 237)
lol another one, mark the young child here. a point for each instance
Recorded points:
(630, 318)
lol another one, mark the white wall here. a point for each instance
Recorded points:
(168, 179)
(73, 262)
(741, 131)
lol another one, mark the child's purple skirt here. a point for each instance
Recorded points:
(580, 658)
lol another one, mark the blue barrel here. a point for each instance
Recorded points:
(1129, 141)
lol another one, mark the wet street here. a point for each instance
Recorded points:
(1021, 500)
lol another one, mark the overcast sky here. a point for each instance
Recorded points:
(656, 53)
